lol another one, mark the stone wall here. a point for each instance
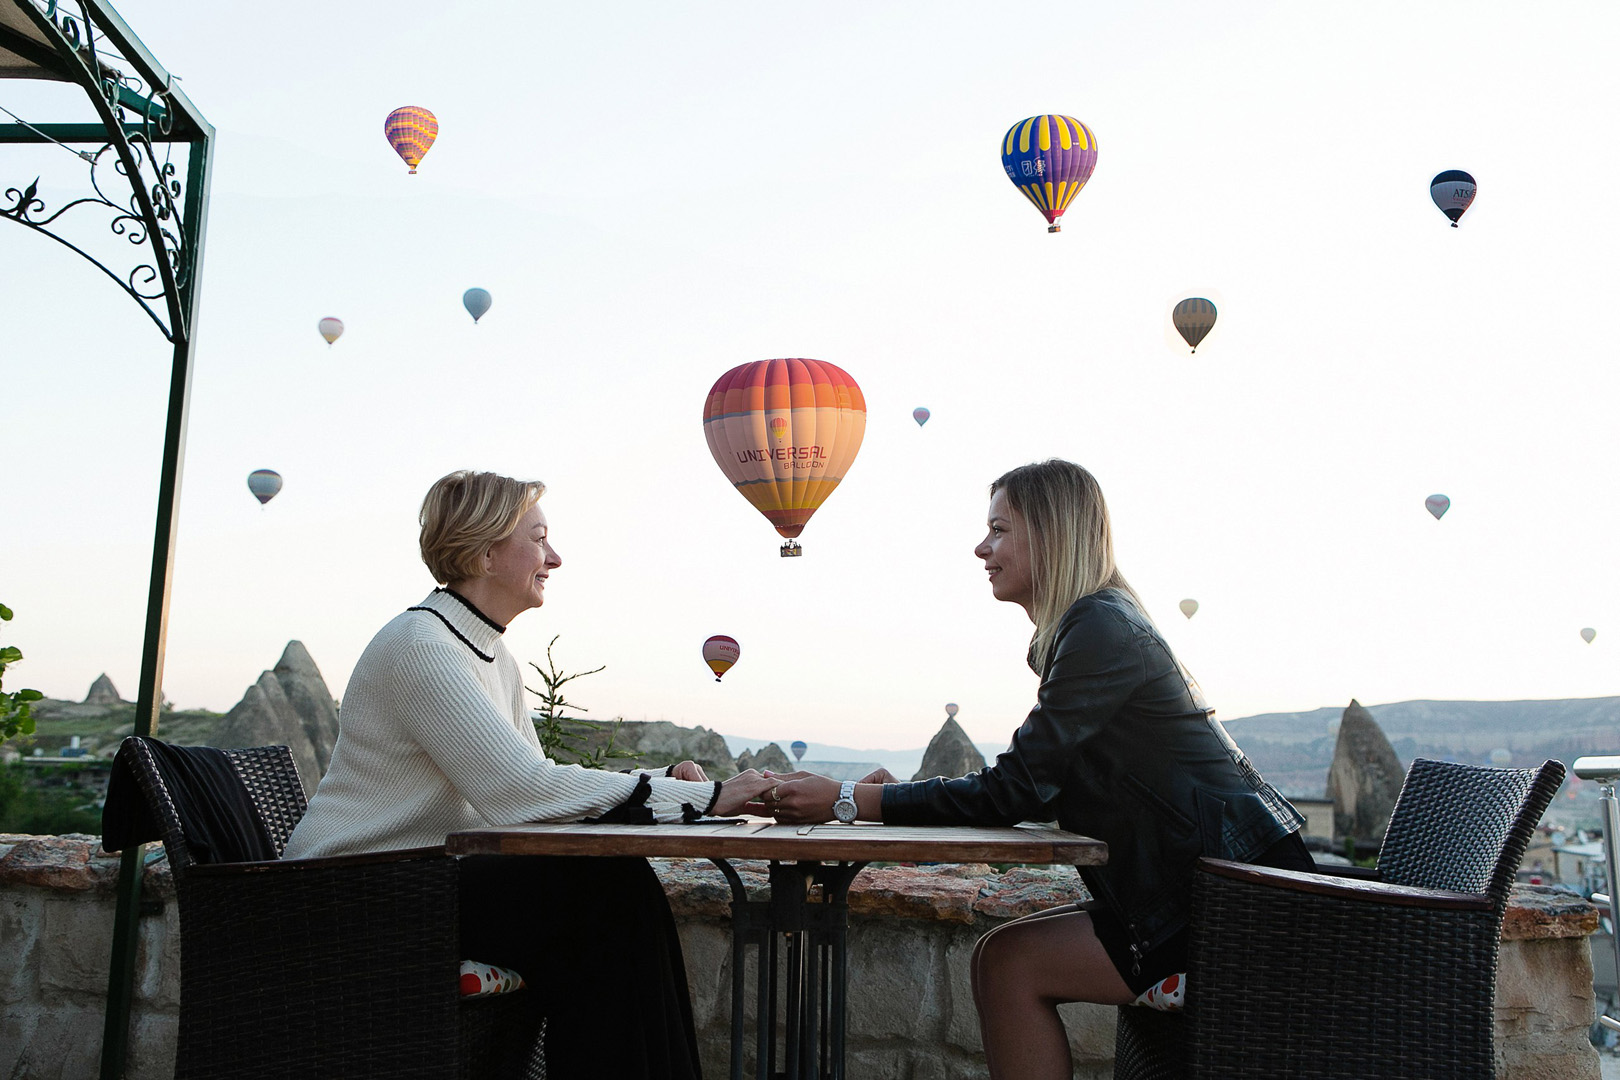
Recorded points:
(912, 931)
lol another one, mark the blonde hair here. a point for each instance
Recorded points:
(465, 514)
(1060, 507)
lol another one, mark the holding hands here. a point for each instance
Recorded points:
(802, 798)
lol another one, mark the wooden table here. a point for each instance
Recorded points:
(814, 924)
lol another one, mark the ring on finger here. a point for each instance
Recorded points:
(776, 793)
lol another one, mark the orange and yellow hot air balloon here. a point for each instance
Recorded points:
(720, 652)
(785, 432)
(411, 130)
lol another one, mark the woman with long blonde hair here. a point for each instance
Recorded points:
(1120, 746)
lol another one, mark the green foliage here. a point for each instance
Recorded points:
(16, 707)
(571, 739)
(46, 802)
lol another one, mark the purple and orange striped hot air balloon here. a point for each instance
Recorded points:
(411, 130)
(1049, 159)
(784, 432)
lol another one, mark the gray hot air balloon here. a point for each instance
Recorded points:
(1437, 505)
(477, 302)
(799, 747)
(1194, 318)
(951, 709)
(1587, 634)
(264, 483)
(1188, 607)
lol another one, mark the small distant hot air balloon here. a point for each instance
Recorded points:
(785, 432)
(1587, 634)
(411, 130)
(920, 415)
(331, 329)
(1438, 505)
(1501, 756)
(951, 709)
(1049, 159)
(720, 652)
(799, 747)
(1453, 192)
(264, 483)
(477, 302)
(1194, 318)
(1188, 608)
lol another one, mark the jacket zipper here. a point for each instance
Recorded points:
(1138, 948)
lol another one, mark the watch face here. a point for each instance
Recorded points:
(844, 810)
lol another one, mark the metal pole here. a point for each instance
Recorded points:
(1611, 826)
(149, 700)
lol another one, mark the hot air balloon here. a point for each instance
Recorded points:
(1438, 505)
(1501, 756)
(331, 329)
(785, 432)
(951, 709)
(1453, 192)
(1194, 319)
(411, 130)
(264, 483)
(799, 747)
(1587, 634)
(477, 302)
(1188, 608)
(720, 652)
(1049, 159)
(920, 415)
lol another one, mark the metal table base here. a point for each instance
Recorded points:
(814, 928)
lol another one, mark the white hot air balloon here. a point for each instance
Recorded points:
(1189, 608)
(1501, 756)
(1437, 505)
(331, 329)
(1587, 634)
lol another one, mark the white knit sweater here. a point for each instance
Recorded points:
(434, 737)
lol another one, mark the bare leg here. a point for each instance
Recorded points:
(1021, 972)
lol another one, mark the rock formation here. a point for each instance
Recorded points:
(950, 753)
(306, 692)
(658, 743)
(103, 692)
(769, 757)
(1365, 777)
(288, 706)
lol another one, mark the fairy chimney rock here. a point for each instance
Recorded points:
(770, 756)
(103, 692)
(310, 699)
(950, 753)
(265, 717)
(1365, 777)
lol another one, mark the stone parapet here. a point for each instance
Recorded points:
(912, 931)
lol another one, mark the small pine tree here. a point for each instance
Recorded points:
(568, 738)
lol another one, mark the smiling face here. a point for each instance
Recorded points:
(515, 569)
(1006, 555)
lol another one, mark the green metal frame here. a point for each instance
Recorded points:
(139, 109)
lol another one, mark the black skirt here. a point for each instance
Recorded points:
(595, 941)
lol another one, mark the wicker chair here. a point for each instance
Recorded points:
(1392, 975)
(338, 967)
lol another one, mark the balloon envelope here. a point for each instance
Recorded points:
(951, 709)
(799, 747)
(1501, 756)
(1453, 192)
(1049, 159)
(1587, 634)
(1194, 319)
(331, 329)
(784, 432)
(1188, 608)
(477, 302)
(264, 483)
(720, 652)
(920, 415)
(411, 130)
(1438, 505)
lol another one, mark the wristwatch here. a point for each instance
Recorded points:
(844, 808)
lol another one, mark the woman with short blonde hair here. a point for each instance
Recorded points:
(435, 737)
(1120, 746)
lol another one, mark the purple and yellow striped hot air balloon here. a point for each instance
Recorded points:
(1049, 158)
(411, 130)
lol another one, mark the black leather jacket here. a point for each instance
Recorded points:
(1120, 747)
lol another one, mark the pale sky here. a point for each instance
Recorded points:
(655, 193)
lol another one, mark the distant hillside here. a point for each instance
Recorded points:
(1293, 750)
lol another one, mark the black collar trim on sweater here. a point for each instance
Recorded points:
(470, 606)
(489, 659)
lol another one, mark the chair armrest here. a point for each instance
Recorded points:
(330, 862)
(1343, 888)
(1355, 873)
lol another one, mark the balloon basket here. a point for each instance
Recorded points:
(792, 550)
(1054, 228)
